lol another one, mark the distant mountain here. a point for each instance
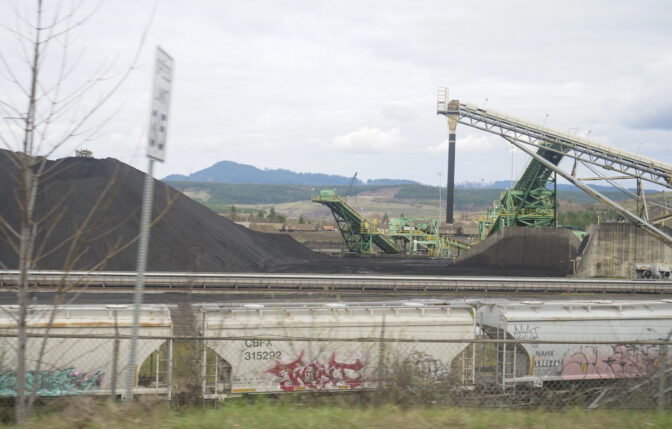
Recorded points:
(233, 172)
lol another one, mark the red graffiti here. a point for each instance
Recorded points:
(315, 375)
(608, 362)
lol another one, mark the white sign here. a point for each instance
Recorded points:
(158, 121)
(442, 101)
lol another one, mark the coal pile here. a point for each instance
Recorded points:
(418, 266)
(190, 237)
(102, 197)
(547, 250)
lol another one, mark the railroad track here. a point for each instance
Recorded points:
(337, 282)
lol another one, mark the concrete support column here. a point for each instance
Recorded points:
(450, 187)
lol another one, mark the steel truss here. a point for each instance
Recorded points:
(357, 233)
(609, 158)
(643, 223)
(527, 136)
(531, 202)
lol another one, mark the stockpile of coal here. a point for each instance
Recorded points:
(415, 266)
(90, 212)
(548, 250)
(101, 198)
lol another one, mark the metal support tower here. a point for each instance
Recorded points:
(530, 202)
(450, 179)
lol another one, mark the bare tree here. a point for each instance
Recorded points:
(54, 116)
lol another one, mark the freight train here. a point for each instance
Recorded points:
(301, 347)
(78, 356)
(577, 340)
(333, 346)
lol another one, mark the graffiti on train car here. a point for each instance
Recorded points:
(609, 361)
(315, 375)
(427, 367)
(525, 332)
(58, 382)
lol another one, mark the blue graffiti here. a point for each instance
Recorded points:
(59, 382)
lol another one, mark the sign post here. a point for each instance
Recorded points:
(156, 149)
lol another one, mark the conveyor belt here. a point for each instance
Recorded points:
(585, 150)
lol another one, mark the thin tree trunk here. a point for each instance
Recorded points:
(27, 232)
(22, 338)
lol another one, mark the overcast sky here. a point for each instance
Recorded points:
(344, 87)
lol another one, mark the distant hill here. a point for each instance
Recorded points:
(233, 172)
(390, 182)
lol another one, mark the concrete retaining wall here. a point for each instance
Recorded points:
(613, 249)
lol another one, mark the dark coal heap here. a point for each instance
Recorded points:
(103, 197)
(549, 251)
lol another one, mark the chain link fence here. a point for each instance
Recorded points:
(479, 372)
(528, 354)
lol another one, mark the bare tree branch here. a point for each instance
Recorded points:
(13, 79)
(38, 32)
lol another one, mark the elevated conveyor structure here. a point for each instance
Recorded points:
(531, 202)
(547, 147)
(359, 234)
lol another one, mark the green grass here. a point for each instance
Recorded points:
(289, 414)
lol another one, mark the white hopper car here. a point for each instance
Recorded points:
(618, 322)
(75, 366)
(252, 366)
(236, 360)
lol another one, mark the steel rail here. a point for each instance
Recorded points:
(334, 282)
(337, 339)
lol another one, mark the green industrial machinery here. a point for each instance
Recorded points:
(357, 233)
(405, 235)
(531, 202)
(421, 236)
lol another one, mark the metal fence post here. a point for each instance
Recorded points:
(204, 368)
(381, 354)
(170, 369)
(158, 367)
(662, 366)
(115, 359)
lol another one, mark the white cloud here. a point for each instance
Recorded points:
(470, 143)
(275, 88)
(399, 113)
(369, 139)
